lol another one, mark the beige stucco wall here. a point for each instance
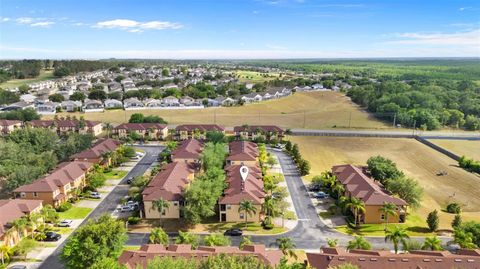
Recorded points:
(374, 216)
(234, 216)
(172, 212)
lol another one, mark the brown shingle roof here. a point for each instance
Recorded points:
(251, 189)
(188, 149)
(372, 259)
(169, 183)
(140, 126)
(61, 123)
(363, 187)
(254, 128)
(101, 146)
(201, 127)
(134, 258)
(11, 210)
(242, 151)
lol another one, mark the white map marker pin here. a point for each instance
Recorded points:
(244, 172)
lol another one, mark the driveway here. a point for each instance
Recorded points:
(110, 202)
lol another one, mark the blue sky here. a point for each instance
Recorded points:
(238, 28)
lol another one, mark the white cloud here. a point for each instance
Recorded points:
(464, 8)
(4, 19)
(466, 38)
(136, 26)
(42, 24)
(24, 20)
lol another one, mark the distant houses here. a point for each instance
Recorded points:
(199, 131)
(64, 127)
(8, 126)
(149, 131)
(252, 132)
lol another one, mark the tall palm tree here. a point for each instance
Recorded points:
(328, 179)
(388, 209)
(19, 225)
(158, 236)
(359, 242)
(432, 243)
(160, 205)
(286, 245)
(247, 207)
(269, 206)
(49, 214)
(356, 206)
(338, 189)
(397, 235)
(108, 127)
(32, 222)
(5, 252)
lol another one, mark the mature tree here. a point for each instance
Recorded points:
(433, 220)
(388, 209)
(160, 205)
(98, 239)
(49, 214)
(432, 243)
(216, 240)
(215, 137)
(286, 245)
(158, 236)
(357, 206)
(359, 242)
(248, 208)
(61, 71)
(457, 221)
(271, 161)
(396, 235)
(97, 95)
(406, 188)
(187, 238)
(304, 167)
(382, 169)
(107, 262)
(24, 247)
(78, 96)
(56, 97)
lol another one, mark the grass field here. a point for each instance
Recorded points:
(310, 110)
(44, 75)
(75, 213)
(255, 77)
(115, 174)
(414, 158)
(469, 148)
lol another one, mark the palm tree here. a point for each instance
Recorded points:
(359, 242)
(187, 238)
(338, 189)
(32, 222)
(160, 205)
(464, 239)
(158, 236)
(286, 245)
(108, 127)
(328, 179)
(19, 225)
(356, 206)
(247, 207)
(49, 214)
(388, 209)
(5, 252)
(397, 235)
(432, 243)
(268, 206)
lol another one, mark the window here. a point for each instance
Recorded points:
(22, 194)
(163, 212)
(175, 203)
(35, 194)
(242, 216)
(382, 217)
(222, 207)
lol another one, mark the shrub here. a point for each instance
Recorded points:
(267, 223)
(133, 220)
(454, 208)
(64, 207)
(433, 220)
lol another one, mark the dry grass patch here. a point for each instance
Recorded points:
(319, 110)
(469, 148)
(414, 158)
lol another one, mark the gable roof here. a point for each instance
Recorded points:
(201, 127)
(141, 126)
(11, 210)
(188, 149)
(169, 183)
(254, 128)
(363, 187)
(238, 189)
(243, 151)
(139, 258)
(101, 146)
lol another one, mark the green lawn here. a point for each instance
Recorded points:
(115, 174)
(62, 230)
(44, 75)
(75, 213)
(252, 227)
(415, 226)
(255, 77)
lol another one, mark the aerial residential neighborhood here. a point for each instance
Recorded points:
(286, 134)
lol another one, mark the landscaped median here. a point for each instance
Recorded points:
(253, 228)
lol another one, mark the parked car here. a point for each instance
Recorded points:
(140, 154)
(65, 223)
(126, 208)
(233, 232)
(132, 203)
(95, 195)
(129, 180)
(321, 195)
(52, 236)
(280, 146)
(314, 187)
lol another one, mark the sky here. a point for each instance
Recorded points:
(238, 29)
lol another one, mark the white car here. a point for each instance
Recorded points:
(95, 195)
(65, 223)
(126, 208)
(140, 154)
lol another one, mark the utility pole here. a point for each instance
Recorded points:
(214, 117)
(414, 124)
(304, 119)
(394, 119)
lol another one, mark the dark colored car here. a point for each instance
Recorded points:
(233, 232)
(314, 187)
(52, 236)
(129, 180)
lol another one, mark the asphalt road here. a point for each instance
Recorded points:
(109, 204)
(391, 133)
